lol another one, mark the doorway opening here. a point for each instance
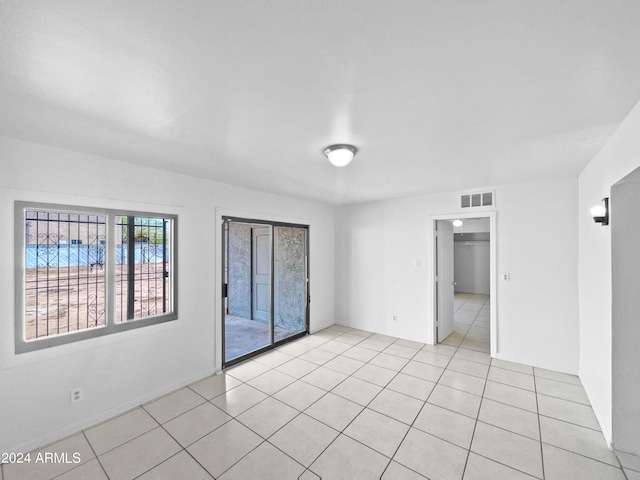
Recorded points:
(464, 274)
(265, 286)
(625, 328)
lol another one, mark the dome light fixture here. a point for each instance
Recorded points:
(340, 155)
(457, 223)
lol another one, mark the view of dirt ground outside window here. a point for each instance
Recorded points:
(65, 270)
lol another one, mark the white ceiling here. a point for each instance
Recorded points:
(437, 95)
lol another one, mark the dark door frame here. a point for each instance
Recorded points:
(226, 219)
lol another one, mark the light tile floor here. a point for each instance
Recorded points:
(350, 404)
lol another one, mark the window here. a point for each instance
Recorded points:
(142, 267)
(90, 272)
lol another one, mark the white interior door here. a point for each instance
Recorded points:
(444, 278)
(261, 265)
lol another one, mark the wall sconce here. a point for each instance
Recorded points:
(600, 213)
(340, 155)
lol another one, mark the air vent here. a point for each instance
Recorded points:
(480, 199)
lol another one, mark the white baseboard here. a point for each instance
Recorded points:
(60, 434)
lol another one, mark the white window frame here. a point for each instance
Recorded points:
(23, 345)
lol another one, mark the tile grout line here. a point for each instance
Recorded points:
(264, 440)
(167, 459)
(301, 412)
(368, 362)
(619, 467)
(341, 432)
(535, 389)
(477, 419)
(209, 401)
(419, 412)
(161, 425)
(95, 453)
(365, 407)
(129, 440)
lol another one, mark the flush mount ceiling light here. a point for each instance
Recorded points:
(457, 223)
(340, 155)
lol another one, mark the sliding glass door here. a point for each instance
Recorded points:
(290, 281)
(266, 286)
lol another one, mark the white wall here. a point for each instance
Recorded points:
(473, 225)
(471, 261)
(120, 371)
(471, 258)
(619, 157)
(377, 245)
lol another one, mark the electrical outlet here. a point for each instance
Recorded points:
(395, 318)
(77, 395)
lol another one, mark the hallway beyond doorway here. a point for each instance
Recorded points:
(471, 315)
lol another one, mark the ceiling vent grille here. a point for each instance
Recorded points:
(480, 199)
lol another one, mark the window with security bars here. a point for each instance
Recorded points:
(89, 273)
(64, 272)
(142, 267)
